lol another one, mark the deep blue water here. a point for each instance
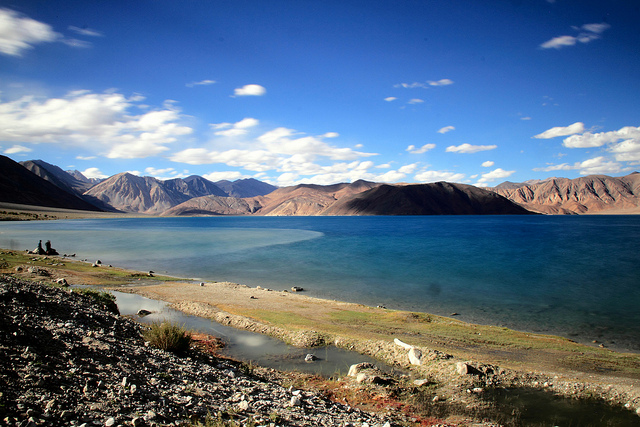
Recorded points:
(575, 276)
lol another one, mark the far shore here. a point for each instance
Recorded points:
(29, 212)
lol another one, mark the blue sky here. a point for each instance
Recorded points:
(299, 91)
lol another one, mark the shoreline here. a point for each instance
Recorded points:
(489, 356)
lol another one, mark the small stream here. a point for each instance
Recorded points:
(244, 345)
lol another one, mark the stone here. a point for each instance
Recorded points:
(402, 344)
(415, 356)
(142, 312)
(421, 382)
(138, 422)
(463, 368)
(110, 422)
(355, 369)
(295, 401)
(62, 281)
(243, 405)
(297, 289)
(310, 358)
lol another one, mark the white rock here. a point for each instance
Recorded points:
(415, 356)
(402, 344)
(295, 401)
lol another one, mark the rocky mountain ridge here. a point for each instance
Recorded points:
(588, 194)
(195, 195)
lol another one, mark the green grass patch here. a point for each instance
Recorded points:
(101, 298)
(282, 318)
(169, 337)
(102, 275)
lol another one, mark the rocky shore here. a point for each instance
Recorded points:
(65, 360)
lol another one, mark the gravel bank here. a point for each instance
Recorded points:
(66, 361)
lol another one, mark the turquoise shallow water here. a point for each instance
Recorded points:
(575, 276)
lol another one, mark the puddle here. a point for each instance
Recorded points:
(537, 408)
(248, 346)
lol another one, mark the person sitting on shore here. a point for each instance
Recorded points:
(49, 250)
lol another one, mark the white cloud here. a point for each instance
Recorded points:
(441, 82)
(413, 150)
(330, 135)
(408, 168)
(223, 175)
(558, 42)
(390, 98)
(596, 28)
(279, 141)
(205, 82)
(577, 127)
(236, 129)
(18, 33)
(525, 118)
(436, 176)
(390, 176)
(416, 101)
(85, 31)
(16, 149)
(468, 148)
(102, 120)
(426, 85)
(494, 175)
(446, 129)
(588, 139)
(85, 157)
(250, 90)
(93, 173)
(160, 173)
(77, 43)
(596, 166)
(588, 33)
(487, 164)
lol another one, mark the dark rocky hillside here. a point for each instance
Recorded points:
(441, 198)
(64, 360)
(20, 185)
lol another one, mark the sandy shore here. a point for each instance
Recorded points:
(506, 358)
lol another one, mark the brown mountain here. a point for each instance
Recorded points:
(440, 198)
(20, 185)
(309, 199)
(131, 193)
(358, 198)
(589, 194)
(299, 200)
(214, 205)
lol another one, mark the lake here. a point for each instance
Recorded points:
(574, 276)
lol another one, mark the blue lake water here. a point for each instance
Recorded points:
(575, 276)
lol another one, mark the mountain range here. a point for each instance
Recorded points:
(39, 183)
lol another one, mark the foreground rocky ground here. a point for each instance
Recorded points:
(66, 361)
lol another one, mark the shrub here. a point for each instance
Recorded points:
(168, 336)
(104, 299)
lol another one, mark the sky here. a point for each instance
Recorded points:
(297, 91)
